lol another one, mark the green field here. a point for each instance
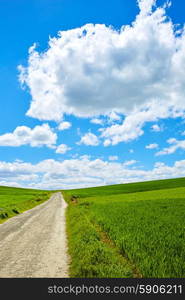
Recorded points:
(128, 230)
(16, 200)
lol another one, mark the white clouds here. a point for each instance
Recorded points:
(89, 139)
(107, 142)
(9, 183)
(113, 157)
(97, 121)
(113, 116)
(83, 172)
(146, 6)
(96, 70)
(152, 146)
(41, 135)
(62, 149)
(131, 128)
(119, 79)
(175, 145)
(130, 162)
(156, 128)
(64, 125)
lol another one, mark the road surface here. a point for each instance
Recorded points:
(33, 244)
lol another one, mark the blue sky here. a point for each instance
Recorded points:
(102, 102)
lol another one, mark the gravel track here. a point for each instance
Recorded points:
(34, 244)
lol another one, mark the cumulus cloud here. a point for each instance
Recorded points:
(89, 139)
(107, 143)
(62, 149)
(113, 116)
(96, 70)
(41, 135)
(175, 145)
(82, 172)
(156, 128)
(64, 125)
(131, 128)
(152, 146)
(146, 7)
(97, 121)
(130, 162)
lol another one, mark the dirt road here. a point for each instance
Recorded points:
(33, 244)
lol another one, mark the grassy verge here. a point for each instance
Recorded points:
(16, 200)
(91, 256)
(127, 234)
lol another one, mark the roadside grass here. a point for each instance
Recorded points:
(127, 234)
(90, 255)
(16, 200)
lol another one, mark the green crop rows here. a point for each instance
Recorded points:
(132, 230)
